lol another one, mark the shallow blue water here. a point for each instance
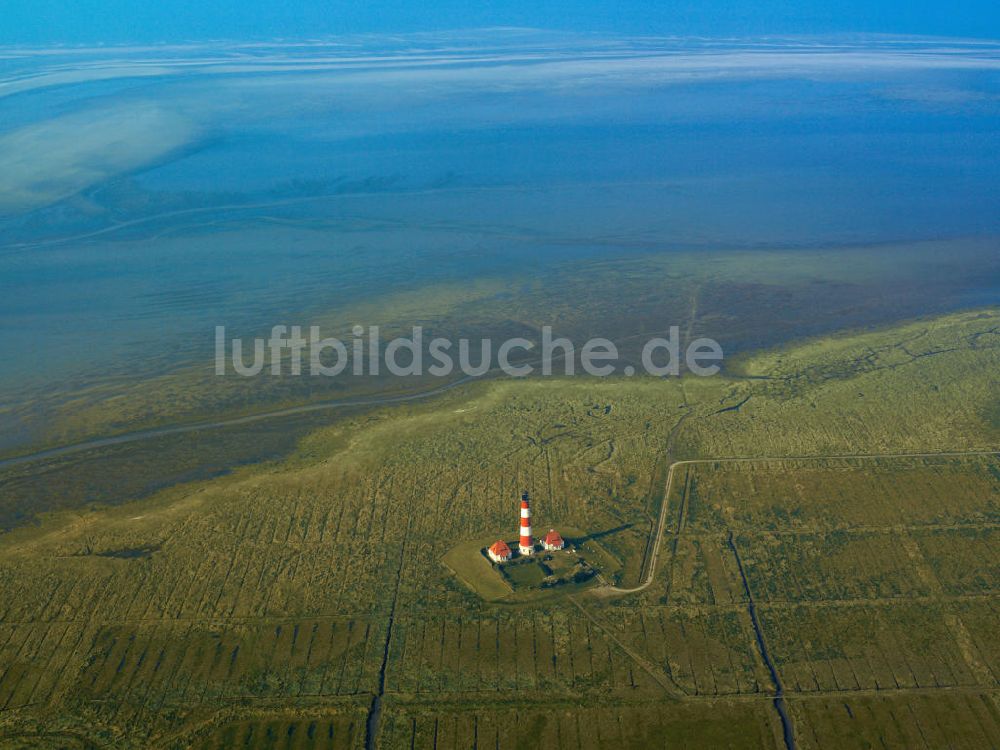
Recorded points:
(203, 210)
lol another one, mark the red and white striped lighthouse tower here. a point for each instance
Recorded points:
(526, 544)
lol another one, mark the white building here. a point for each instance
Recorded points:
(499, 552)
(552, 541)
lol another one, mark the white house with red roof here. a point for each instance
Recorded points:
(552, 541)
(499, 552)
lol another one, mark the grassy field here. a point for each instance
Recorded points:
(267, 608)
(467, 562)
(521, 581)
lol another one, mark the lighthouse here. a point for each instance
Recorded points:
(526, 544)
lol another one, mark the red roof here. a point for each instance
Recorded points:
(500, 548)
(553, 538)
